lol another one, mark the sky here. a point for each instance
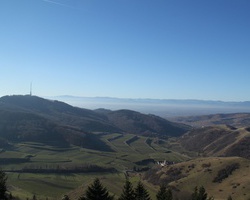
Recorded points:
(159, 49)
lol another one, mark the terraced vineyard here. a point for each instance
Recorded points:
(47, 171)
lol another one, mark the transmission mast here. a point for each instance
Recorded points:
(31, 89)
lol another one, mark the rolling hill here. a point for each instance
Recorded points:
(26, 127)
(150, 125)
(218, 141)
(36, 119)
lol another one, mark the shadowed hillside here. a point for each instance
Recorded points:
(31, 118)
(57, 111)
(151, 125)
(22, 126)
(92, 121)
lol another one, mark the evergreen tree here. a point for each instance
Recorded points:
(10, 197)
(96, 191)
(200, 194)
(141, 193)
(65, 197)
(164, 194)
(3, 187)
(229, 198)
(127, 192)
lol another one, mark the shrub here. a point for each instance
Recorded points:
(224, 173)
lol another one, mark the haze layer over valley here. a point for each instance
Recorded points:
(166, 108)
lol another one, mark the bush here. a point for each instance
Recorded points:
(224, 173)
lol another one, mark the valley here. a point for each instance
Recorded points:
(35, 168)
(49, 148)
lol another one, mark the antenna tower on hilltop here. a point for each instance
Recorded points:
(31, 89)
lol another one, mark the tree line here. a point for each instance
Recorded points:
(96, 191)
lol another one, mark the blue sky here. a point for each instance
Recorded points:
(167, 49)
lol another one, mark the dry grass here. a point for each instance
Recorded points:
(202, 171)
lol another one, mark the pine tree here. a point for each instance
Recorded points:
(229, 198)
(127, 192)
(200, 194)
(3, 187)
(195, 194)
(10, 196)
(164, 194)
(141, 193)
(96, 191)
(65, 197)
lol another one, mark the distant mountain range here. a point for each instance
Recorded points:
(161, 107)
(31, 118)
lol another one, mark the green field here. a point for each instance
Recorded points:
(128, 153)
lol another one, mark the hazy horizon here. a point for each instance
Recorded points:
(127, 98)
(161, 107)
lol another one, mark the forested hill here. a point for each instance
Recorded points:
(135, 122)
(32, 114)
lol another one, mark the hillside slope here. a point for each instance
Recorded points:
(89, 120)
(25, 127)
(151, 125)
(57, 111)
(208, 172)
(218, 141)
